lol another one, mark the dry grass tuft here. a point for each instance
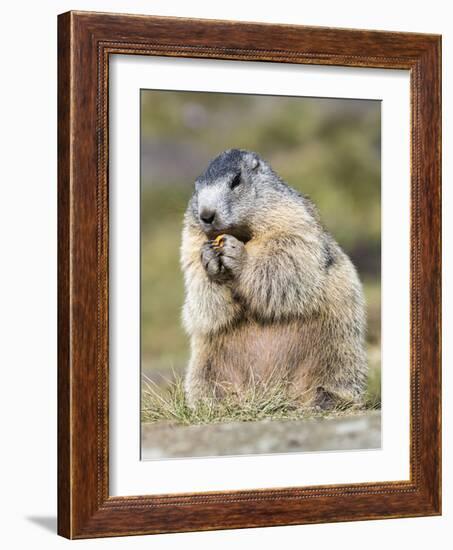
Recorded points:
(264, 401)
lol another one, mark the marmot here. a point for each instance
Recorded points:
(269, 292)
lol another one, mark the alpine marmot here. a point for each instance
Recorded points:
(269, 292)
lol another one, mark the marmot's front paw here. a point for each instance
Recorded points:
(232, 253)
(210, 259)
(222, 258)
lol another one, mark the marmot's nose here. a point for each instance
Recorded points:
(207, 216)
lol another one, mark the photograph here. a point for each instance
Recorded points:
(260, 274)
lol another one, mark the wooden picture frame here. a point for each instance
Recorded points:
(85, 42)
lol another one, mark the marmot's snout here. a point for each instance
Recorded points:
(210, 220)
(214, 204)
(207, 216)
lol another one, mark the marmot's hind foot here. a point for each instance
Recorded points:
(326, 400)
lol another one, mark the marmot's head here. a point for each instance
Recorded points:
(227, 193)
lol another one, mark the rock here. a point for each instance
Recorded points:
(166, 440)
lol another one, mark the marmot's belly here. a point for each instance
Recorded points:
(253, 352)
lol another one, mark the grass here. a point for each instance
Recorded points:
(373, 391)
(264, 401)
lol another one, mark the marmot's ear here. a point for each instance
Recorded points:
(252, 162)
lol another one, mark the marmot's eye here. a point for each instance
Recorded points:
(235, 181)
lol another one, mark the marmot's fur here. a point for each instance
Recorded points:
(276, 297)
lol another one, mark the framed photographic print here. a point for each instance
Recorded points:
(249, 275)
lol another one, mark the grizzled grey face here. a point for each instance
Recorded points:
(225, 192)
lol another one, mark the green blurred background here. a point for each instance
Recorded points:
(327, 148)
